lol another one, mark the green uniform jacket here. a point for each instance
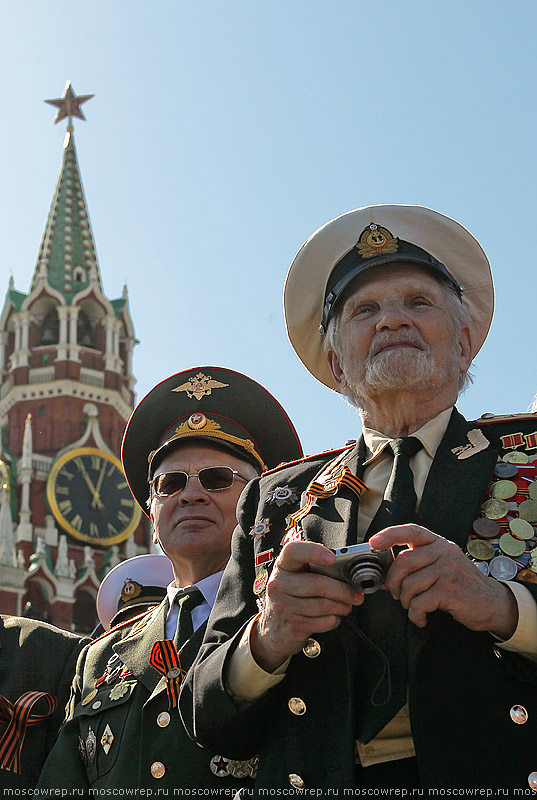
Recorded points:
(149, 749)
(38, 657)
(461, 687)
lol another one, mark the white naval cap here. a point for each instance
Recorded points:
(365, 238)
(138, 581)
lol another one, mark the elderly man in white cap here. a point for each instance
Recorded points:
(428, 682)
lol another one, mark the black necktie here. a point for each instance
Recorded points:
(187, 601)
(382, 673)
(399, 502)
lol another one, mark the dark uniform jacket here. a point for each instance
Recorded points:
(128, 739)
(35, 657)
(461, 686)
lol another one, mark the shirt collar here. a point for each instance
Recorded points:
(207, 586)
(430, 435)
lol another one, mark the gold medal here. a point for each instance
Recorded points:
(481, 550)
(261, 580)
(528, 510)
(511, 546)
(503, 490)
(527, 575)
(515, 457)
(495, 509)
(89, 697)
(521, 529)
(118, 691)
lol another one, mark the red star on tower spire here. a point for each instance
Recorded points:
(69, 105)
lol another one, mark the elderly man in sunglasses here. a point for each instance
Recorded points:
(190, 447)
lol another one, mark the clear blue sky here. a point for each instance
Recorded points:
(223, 133)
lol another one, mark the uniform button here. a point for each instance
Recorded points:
(158, 769)
(97, 704)
(297, 706)
(532, 780)
(312, 648)
(297, 782)
(163, 719)
(519, 715)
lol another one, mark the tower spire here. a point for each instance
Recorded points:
(67, 256)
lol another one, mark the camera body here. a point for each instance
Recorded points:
(359, 565)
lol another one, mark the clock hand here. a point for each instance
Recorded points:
(90, 485)
(96, 502)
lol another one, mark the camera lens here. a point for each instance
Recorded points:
(366, 575)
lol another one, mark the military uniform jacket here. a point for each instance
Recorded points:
(129, 740)
(461, 686)
(35, 657)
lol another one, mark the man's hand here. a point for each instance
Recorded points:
(299, 603)
(435, 574)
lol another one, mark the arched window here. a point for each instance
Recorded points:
(84, 331)
(50, 328)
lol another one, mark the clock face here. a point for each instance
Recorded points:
(89, 496)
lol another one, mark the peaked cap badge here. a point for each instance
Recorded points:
(376, 241)
(131, 589)
(477, 442)
(199, 386)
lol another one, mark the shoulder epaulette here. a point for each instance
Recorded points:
(336, 451)
(120, 625)
(490, 419)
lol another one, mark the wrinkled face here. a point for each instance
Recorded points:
(396, 331)
(194, 526)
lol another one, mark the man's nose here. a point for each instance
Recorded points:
(193, 492)
(393, 316)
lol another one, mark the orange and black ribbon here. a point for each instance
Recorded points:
(17, 716)
(165, 659)
(327, 485)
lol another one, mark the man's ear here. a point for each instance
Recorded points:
(155, 535)
(465, 345)
(336, 369)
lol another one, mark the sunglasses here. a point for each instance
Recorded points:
(213, 479)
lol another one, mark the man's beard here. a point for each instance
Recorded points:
(387, 370)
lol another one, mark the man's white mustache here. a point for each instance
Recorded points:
(382, 341)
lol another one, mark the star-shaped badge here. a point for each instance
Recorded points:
(283, 495)
(260, 529)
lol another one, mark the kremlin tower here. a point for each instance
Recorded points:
(66, 393)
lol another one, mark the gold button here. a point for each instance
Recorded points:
(297, 706)
(163, 719)
(296, 781)
(312, 648)
(158, 769)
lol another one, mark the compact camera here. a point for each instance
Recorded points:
(359, 565)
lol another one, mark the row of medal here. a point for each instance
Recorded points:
(115, 670)
(504, 539)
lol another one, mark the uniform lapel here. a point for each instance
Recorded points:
(451, 498)
(333, 520)
(455, 486)
(135, 650)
